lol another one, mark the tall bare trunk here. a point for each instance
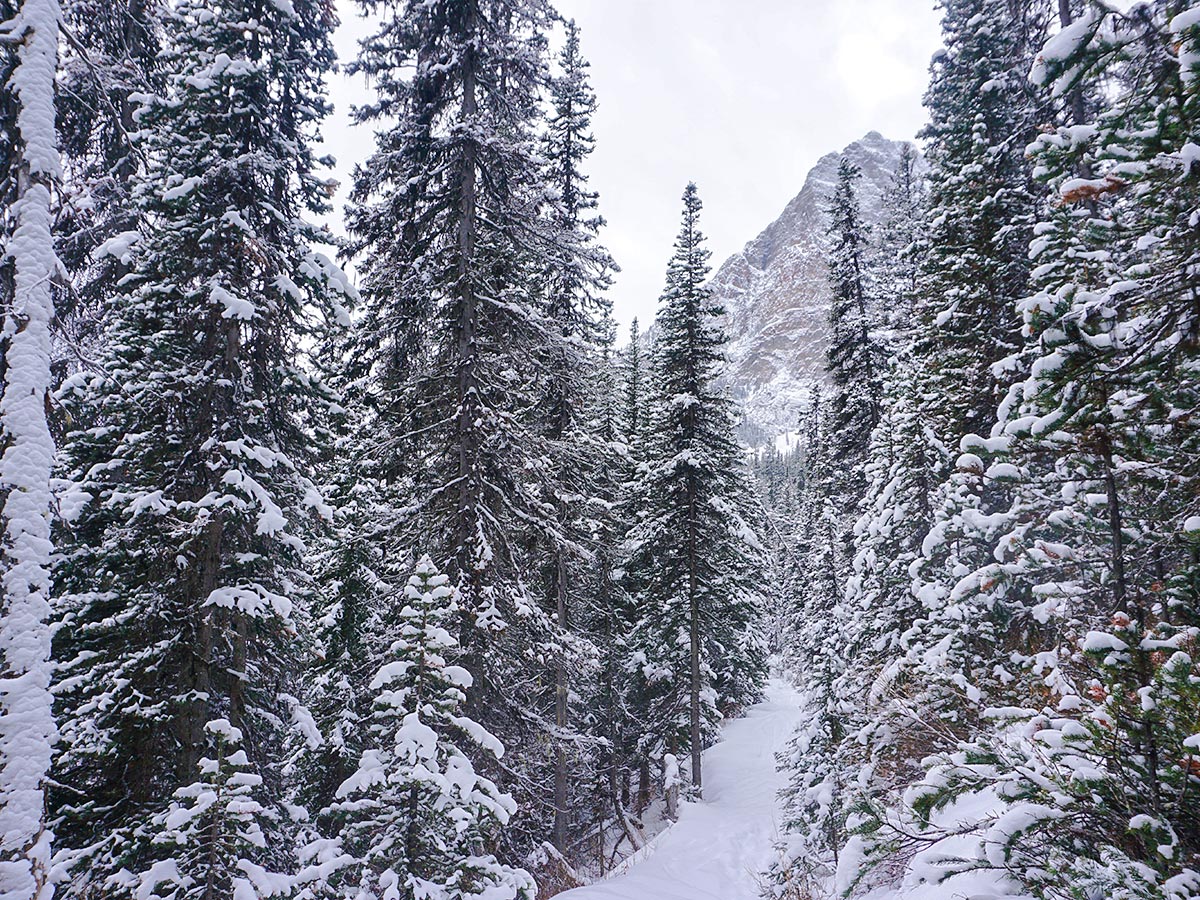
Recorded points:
(468, 327)
(1134, 609)
(643, 791)
(694, 639)
(561, 813)
(198, 674)
(27, 726)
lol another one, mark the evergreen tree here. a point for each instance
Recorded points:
(903, 462)
(838, 443)
(632, 421)
(777, 474)
(436, 299)
(356, 578)
(855, 360)
(350, 596)
(1049, 663)
(695, 552)
(895, 263)
(609, 617)
(29, 152)
(883, 695)
(1095, 548)
(579, 314)
(211, 833)
(982, 206)
(415, 813)
(982, 202)
(457, 222)
(813, 798)
(181, 577)
(634, 412)
(110, 59)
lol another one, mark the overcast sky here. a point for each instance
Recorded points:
(740, 96)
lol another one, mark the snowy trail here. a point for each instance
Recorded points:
(719, 846)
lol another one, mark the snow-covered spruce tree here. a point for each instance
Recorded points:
(608, 617)
(415, 816)
(632, 418)
(356, 581)
(28, 144)
(211, 833)
(903, 464)
(695, 553)
(876, 758)
(111, 57)
(855, 358)
(349, 556)
(633, 421)
(181, 580)
(633, 372)
(981, 210)
(837, 443)
(814, 796)
(453, 218)
(578, 311)
(1094, 770)
(896, 254)
(982, 203)
(777, 475)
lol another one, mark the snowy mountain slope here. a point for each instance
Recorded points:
(777, 297)
(720, 845)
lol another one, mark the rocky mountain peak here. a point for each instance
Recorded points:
(776, 292)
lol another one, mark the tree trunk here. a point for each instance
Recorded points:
(27, 727)
(561, 813)
(237, 693)
(671, 785)
(694, 638)
(468, 326)
(198, 675)
(467, 451)
(630, 829)
(1136, 611)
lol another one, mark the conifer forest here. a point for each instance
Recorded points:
(352, 547)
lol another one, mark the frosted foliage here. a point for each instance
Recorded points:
(415, 813)
(1011, 687)
(213, 830)
(183, 590)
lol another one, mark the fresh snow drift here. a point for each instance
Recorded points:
(720, 845)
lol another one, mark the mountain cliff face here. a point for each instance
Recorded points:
(776, 294)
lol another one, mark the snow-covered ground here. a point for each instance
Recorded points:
(720, 845)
